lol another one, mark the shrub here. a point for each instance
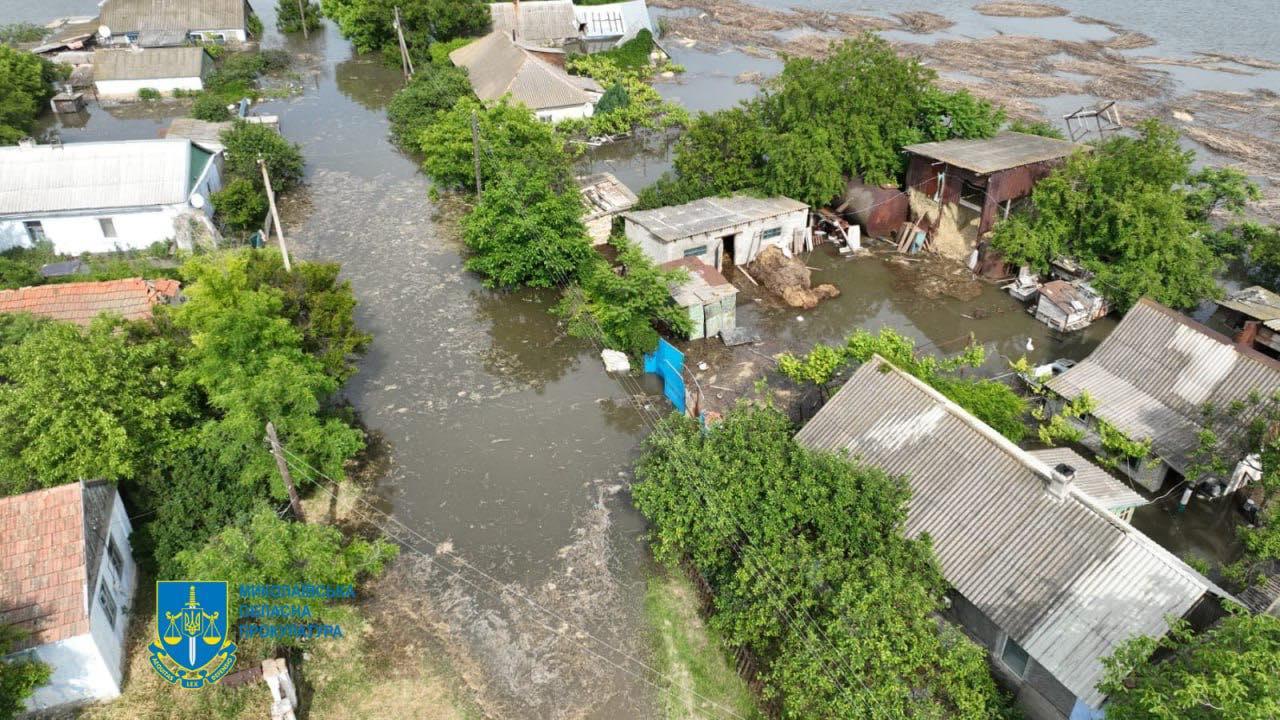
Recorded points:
(25, 87)
(241, 204)
(434, 89)
(210, 108)
(246, 142)
(149, 94)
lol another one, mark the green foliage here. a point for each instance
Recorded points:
(632, 103)
(149, 94)
(254, 25)
(634, 53)
(210, 108)
(1060, 429)
(439, 51)
(615, 98)
(742, 495)
(623, 306)
(25, 86)
(1214, 189)
(1230, 671)
(510, 136)
(434, 89)
(1261, 243)
(1119, 448)
(241, 204)
(246, 142)
(14, 274)
(527, 231)
(1125, 212)
(272, 551)
(368, 24)
(1037, 127)
(945, 115)
(22, 32)
(819, 367)
(289, 17)
(19, 675)
(992, 402)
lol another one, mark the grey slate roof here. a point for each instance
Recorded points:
(148, 64)
(124, 16)
(711, 214)
(1063, 576)
(93, 175)
(1109, 491)
(1254, 302)
(99, 498)
(497, 66)
(1002, 152)
(1152, 376)
(207, 135)
(541, 21)
(604, 194)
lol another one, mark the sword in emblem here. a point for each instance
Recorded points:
(191, 652)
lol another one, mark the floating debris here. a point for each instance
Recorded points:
(1020, 9)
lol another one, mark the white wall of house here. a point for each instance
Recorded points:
(128, 89)
(567, 112)
(708, 247)
(79, 673)
(119, 585)
(73, 234)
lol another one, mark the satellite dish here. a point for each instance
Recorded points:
(197, 201)
(104, 31)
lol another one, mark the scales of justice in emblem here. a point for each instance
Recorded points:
(192, 633)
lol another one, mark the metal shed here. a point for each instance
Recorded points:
(708, 297)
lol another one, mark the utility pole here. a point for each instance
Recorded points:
(475, 149)
(302, 11)
(275, 214)
(294, 502)
(406, 62)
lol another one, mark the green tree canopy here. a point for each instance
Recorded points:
(246, 142)
(369, 24)
(289, 16)
(433, 89)
(509, 135)
(25, 86)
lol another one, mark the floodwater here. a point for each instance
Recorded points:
(504, 436)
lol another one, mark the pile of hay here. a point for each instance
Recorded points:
(789, 279)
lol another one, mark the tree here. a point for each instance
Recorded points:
(368, 24)
(526, 231)
(1230, 671)
(432, 90)
(273, 551)
(19, 675)
(802, 165)
(246, 142)
(1125, 213)
(289, 16)
(25, 86)
(241, 204)
(510, 135)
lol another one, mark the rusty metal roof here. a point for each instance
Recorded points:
(1063, 576)
(705, 283)
(1002, 152)
(711, 214)
(496, 67)
(1155, 373)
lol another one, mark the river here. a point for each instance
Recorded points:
(503, 436)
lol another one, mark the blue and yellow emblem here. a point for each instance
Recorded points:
(191, 646)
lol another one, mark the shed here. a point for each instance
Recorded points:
(710, 228)
(202, 133)
(498, 67)
(966, 186)
(606, 197)
(1104, 488)
(708, 297)
(80, 303)
(1254, 313)
(1153, 376)
(1069, 306)
(1048, 580)
(120, 73)
(549, 23)
(215, 20)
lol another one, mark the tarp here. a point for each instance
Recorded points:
(668, 363)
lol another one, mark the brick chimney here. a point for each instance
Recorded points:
(1247, 334)
(1062, 478)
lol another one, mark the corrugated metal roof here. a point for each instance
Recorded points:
(1154, 374)
(497, 67)
(543, 21)
(125, 16)
(148, 64)
(711, 214)
(1063, 576)
(1002, 152)
(81, 176)
(1109, 491)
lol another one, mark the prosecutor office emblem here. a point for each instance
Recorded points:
(191, 648)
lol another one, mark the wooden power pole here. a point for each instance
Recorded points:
(275, 214)
(475, 149)
(302, 12)
(294, 502)
(406, 62)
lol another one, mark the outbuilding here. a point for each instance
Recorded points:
(712, 228)
(563, 23)
(68, 581)
(1254, 314)
(963, 187)
(120, 73)
(1070, 306)
(100, 197)
(707, 296)
(606, 197)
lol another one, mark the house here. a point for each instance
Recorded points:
(1049, 581)
(606, 198)
(1069, 306)
(963, 187)
(610, 25)
(80, 303)
(160, 23)
(119, 73)
(1254, 314)
(102, 196)
(1153, 377)
(68, 581)
(710, 228)
(1101, 486)
(710, 300)
(498, 67)
(561, 23)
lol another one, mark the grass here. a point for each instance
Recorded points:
(692, 655)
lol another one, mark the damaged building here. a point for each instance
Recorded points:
(710, 229)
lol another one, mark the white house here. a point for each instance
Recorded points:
(498, 67)
(162, 22)
(103, 196)
(68, 580)
(119, 73)
(713, 227)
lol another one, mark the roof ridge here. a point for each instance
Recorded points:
(1193, 324)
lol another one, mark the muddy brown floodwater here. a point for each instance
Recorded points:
(503, 437)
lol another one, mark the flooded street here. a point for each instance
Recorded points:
(504, 436)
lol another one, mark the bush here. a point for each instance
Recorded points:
(149, 94)
(241, 204)
(433, 90)
(289, 19)
(15, 33)
(19, 675)
(210, 108)
(246, 142)
(25, 87)
(15, 274)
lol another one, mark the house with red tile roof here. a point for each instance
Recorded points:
(67, 578)
(80, 303)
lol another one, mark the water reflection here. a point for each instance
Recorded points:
(529, 347)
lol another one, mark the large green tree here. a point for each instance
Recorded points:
(433, 90)
(369, 24)
(510, 135)
(25, 86)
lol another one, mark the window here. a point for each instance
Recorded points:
(115, 558)
(696, 251)
(972, 196)
(772, 233)
(107, 603)
(108, 227)
(1014, 657)
(35, 231)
